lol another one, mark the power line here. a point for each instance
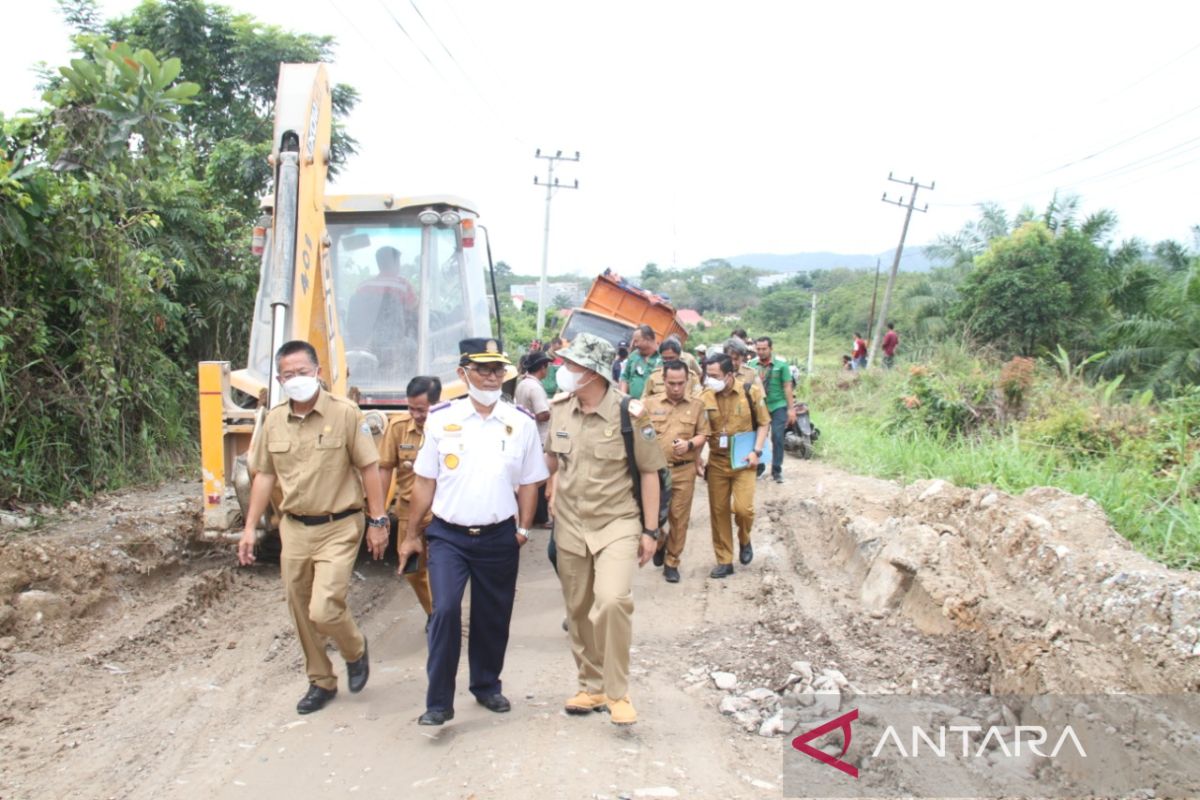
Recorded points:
(1126, 140)
(551, 184)
(887, 293)
(424, 55)
(1154, 72)
(370, 46)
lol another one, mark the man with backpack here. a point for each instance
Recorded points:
(600, 532)
(733, 407)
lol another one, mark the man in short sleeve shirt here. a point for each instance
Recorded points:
(478, 470)
(319, 452)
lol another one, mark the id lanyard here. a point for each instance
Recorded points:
(723, 439)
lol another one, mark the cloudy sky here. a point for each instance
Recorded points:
(711, 129)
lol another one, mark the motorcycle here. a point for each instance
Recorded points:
(800, 437)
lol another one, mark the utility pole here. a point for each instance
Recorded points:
(874, 295)
(551, 184)
(887, 293)
(812, 332)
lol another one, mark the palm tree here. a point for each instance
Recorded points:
(1162, 343)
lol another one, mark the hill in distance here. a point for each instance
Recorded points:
(913, 259)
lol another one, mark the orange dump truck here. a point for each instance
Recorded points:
(614, 307)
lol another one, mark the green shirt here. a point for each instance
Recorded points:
(773, 378)
(637, 370)
(550, 382)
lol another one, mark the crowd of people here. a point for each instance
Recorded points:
(601, 447)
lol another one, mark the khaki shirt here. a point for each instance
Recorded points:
(657, 384)
(692, 363)
(729, 413)
(594, 488)
(316, 458)
(671, 421)
(749, 373)
(401, 443)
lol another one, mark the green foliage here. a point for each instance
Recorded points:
(125, 206)
(1033, 289)
(1138, 460)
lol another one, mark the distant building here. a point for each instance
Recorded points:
(690, 316)
(763, 281)
(521, 292)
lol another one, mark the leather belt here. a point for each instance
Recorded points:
(475, 530)
(321, 519)
(679, 463)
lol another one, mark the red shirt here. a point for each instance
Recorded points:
(860, 348)
(890, 340)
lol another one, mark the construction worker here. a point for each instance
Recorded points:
(477, 449)
(401, 443)
(729, 403)
(681, 425)
(319, 451)
(670, 350)
(600, 531)
(643, 359)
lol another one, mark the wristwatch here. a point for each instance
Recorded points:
(379, 522)
(524, 532)
(650, 532)
(758, 453)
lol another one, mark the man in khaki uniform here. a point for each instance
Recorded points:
(728, 409)
(321, 454)
(401, 442)
(670, 350)
(600, 532)
(740, 353)
(681, 424)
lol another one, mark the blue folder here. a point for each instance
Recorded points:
(741, 445)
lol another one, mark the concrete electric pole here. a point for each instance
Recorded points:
(551, 184)
(881, 320)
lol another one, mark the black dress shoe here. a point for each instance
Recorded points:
(314, 699)
(671, 574)
(358, 671)
(495, 702)
(721, 571)
(746, 553)
(433, 717)
(659, 555)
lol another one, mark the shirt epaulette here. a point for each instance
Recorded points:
(440, 406)
(525, 411)
(561, 397)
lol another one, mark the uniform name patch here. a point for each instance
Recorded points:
(562, 434)
(408, 447)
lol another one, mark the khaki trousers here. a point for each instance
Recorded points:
(316, 562)
(724, 484)
(683, 488)
(419, 580)
(598, 591)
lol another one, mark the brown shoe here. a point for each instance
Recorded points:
(583, 702)
(622, 711)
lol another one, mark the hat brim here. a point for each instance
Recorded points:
(567, 355)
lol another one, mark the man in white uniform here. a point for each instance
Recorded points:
(476, 450)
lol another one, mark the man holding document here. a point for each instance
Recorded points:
(738, 422)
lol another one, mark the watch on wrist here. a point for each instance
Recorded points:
(758, 453)
(523, 532)
(653, 532)
(379, 522)
(691, 445)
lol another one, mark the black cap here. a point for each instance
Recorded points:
(481, 350)
(535, 360)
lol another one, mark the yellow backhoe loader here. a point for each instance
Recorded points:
(383, 286)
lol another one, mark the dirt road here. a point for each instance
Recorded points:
(137, 663)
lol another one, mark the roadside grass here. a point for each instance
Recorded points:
(1132, 460)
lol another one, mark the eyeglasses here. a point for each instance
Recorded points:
(492, 371)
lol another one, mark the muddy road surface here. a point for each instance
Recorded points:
(138, 662)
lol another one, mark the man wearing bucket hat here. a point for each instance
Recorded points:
(477, 449)
(600, 532)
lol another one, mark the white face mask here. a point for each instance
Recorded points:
(716, 384)
(568, 381)
(485, 397)
(301, 388)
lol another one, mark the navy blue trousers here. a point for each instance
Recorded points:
(490, 562)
